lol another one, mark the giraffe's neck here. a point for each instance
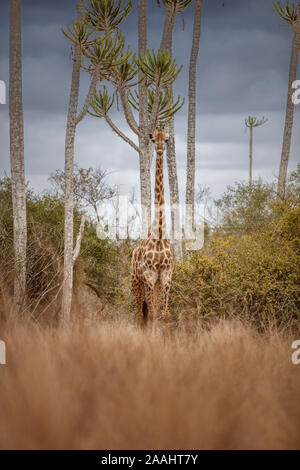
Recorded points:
(159, 192)
(159, 223)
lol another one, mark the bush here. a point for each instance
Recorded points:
(246, 208)
(45, 222)
(101, 270)
(105, 266)
(249, 267)
(255, 275)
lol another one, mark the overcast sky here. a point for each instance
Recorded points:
(243, 69)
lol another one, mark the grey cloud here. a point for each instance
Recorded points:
(243, 69)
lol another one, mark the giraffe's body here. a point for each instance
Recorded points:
(152, 260)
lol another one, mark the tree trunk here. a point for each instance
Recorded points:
(145, 184)
(250, 155)
(289, 113)
(167, 44)
(144, 145)
(17, 151)
(79, 239)
(191, 137)
(69, 170)
(176, 236)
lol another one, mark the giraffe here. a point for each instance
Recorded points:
(152, 261)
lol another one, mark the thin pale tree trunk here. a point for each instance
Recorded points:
(191, 135)
(144, 145)
(69, 171)
(250, 155)
(79, 239)
(145, 184)
(289, 113)
(17, 151)
(167, 44)
(174, 193)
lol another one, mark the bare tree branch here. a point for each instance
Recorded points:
(90, 95)
(128, 112)
(79, 239)
(121, 134)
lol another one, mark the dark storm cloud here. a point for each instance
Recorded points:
(243, 61)
(243, 69)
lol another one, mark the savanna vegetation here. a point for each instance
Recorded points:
(248, 268)
(80, 374)
(111, 386)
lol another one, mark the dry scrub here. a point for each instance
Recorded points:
(113, 387)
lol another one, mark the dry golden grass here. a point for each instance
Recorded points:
(111, 386)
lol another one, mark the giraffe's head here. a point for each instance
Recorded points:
(159, 139)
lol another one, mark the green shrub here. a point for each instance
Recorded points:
(245, 208)
(255, 275)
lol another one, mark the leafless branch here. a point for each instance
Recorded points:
(121, 134)
(79, 239)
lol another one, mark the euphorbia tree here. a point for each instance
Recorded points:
(156, 71)
(250, 123)
(291, 15)
(137, 91)
(95, 36)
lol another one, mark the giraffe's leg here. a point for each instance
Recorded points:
(166, 277)
(157, 297)
(149, 295)
(138, 291)
(150, 280)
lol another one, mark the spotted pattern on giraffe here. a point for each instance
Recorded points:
(152, 261)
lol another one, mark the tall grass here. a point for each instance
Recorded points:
(111, 386)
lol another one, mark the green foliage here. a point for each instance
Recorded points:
(166, 107)
(177, 6)
(250, 267)
(105, 266)
(255, 276)
(105, 15)
(105, 57)
(293, 187)
(102, 266)
(79, 34)
(245, 208)
(287, 13)
(125, 73)
(102, 103)
(159, 68)
(98, 36)
(106, 53)
(252, 121)
(45, 215)
(6, 222)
